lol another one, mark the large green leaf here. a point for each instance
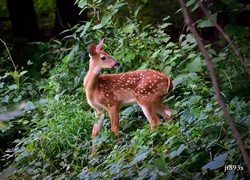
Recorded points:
(98, 26)
(232, 29)
(106, 19)
(29, 106)
(207, 23)
(140, 157)
(178, 151)
(218, 162)
(117, 6)
(160, 165)
(194, 65)
(129, 28)
(184, 79)
(85, 29)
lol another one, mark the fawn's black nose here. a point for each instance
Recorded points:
(117, 64)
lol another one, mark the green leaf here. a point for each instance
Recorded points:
(178, 151)
(166, 39)
(11, 87)
(189, 42)
(227, 1)
(160, 165)
(144, 65)
(72, 53)
(211, 143)
(140, 157)
(30, 146)
(190, 38)
(22, 155)
(167, 70)
(17, 99)
(117, 6)
(130, 56)
(65, 58)
(5, 99)
(155, 54)
(232, 29)
(170, 139)
(170, 45)
(184, 79)
(247, 7)
(14, 74)
(129, 28)
(29, 62)
(128, 110)
(153, 177)
(82, 3)
(190, 2)
(218, 162)
(106, 19)
(166, 18)
(98, 26)
(181, 148)
(85, 29)
(207, 22)
(29, 106)
(164, 25)
(22, 73)
(5, 75)
(194, 65)
(191, 55)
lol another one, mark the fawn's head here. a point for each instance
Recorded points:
(99, 58)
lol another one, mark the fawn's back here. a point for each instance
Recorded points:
(126, 88)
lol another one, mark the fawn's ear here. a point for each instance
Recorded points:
(99, 46)
(92, 49)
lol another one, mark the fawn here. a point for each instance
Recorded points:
(106, 92)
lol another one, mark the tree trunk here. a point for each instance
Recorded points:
(23, 19)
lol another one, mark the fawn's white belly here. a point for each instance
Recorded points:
(128, 101)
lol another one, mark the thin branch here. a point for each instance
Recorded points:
(215, 84)
(237, 53)
(59, 16)
(15, 67)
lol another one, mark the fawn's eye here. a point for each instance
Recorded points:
(103, 58)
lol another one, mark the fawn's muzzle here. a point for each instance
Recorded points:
(116, 65)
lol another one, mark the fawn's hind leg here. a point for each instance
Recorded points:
(164, 111)
(150, 112)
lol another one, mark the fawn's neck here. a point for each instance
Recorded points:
(92, 78)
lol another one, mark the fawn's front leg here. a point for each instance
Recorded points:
(97, 126)
(96, 130)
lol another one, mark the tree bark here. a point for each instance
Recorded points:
(23, 19)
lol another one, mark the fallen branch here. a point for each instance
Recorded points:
(237, 53)
(215, 84)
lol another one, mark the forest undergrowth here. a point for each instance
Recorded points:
(55, 120)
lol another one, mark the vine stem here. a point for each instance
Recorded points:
(15, 67)
(236, 51)
(215, 84)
